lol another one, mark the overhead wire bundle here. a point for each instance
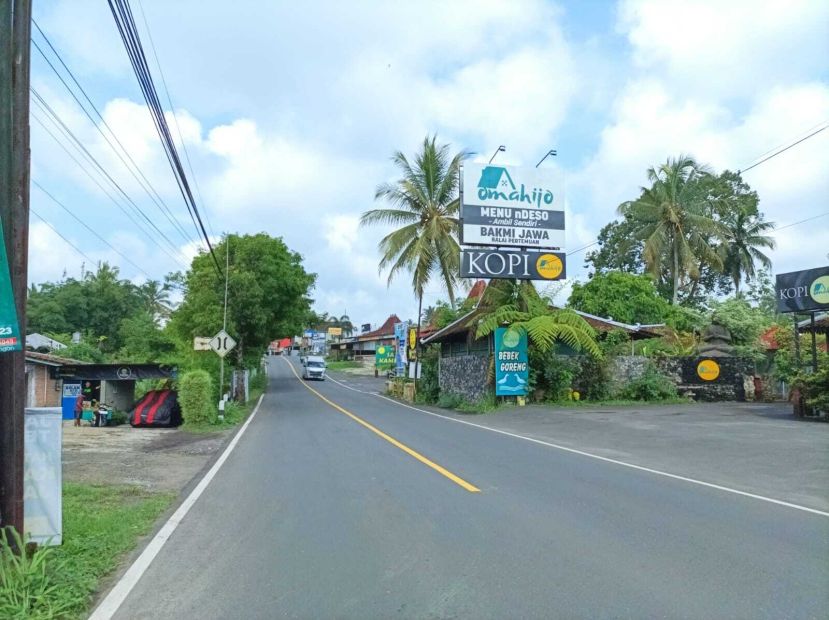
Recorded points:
(122, 13)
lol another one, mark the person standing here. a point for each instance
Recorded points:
(78, 409)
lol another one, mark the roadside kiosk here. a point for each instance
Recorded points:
(110, 384)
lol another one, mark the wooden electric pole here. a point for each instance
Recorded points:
(15, 32)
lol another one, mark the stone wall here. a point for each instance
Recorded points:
(465, 375)
(730, 385)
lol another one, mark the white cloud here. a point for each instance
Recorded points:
(728, 49)
(292, 139)
(681, 96)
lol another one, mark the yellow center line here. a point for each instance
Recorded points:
(413, 453)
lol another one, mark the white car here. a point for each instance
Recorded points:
(314, 368)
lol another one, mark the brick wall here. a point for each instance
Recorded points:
(41, 389)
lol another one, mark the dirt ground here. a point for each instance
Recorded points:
(154, 458)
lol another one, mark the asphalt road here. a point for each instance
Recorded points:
(315, 515)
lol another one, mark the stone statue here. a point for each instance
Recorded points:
(716, 342)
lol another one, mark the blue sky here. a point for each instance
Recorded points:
(290, 112)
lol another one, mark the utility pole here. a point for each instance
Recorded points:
(15, 32)
(224, 323)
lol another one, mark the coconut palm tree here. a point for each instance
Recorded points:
(347, 326)
(155, 297)
(675, 223)
(424, 205)
(743, 236)
(517, 303)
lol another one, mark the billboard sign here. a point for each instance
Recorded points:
(335, 331)
(512, 368)
(412, 344)
(400, 357)
(802, 291)
(512, 206)
(513, 264)
(9, 328)
(318, 343)
(384, 357)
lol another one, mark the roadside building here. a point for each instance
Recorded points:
(362, 347)
(464, 360)
(43, 344)
(42, 388)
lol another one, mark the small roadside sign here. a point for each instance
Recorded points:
(201, 343)
(222, 343)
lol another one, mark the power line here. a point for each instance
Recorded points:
(765, 159)
(57, 232)
(122, 13)
(774, 148)
(118, 204)
(61, 125)
(85, 225)
(175, 117)
(808, 219)
(783, 150)
(135, 170)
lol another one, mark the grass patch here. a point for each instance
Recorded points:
(101, 524)
(615, 402)
(342, 365)
(235, 413)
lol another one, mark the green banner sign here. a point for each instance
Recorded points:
(9, 328)
(512, 368)
(384, 357)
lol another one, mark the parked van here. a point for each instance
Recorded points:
(314, 368)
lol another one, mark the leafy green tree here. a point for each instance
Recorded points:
(625, 297)
(143, 341)
(619, 249)
(109, 299)
(761, 292)
(672, 220)
(268, 296)
(155, 297)
(743, 321)
(83, 352)
(424, 205)
(518, 304)
(742, 239)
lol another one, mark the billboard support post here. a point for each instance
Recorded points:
(814, 342)
(796, 342)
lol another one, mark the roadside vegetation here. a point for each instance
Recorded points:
(101, 525)
(156, 322)
(688, 252)
(342, 364)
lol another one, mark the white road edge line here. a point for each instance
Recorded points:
(113, 601)
(657, 472)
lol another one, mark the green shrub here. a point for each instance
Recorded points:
(558, 374)
(814, 387)
(27, 589)
(484, 405)
(118, 417)
(449, 400)
(195, 395)
(652, 385)
(259, 381)
(593, 379)
(428, 390)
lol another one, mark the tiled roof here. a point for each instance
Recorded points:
(386, 329)
(50, 360)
